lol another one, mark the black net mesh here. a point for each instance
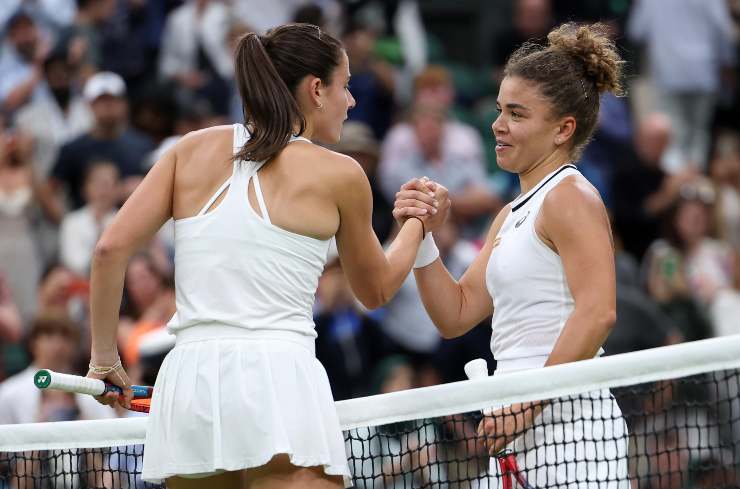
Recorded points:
(670, 434)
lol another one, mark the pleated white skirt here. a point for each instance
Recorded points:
(229, 399)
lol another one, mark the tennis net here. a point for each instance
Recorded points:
(675, 424)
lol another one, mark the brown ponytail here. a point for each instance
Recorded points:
(268, 70)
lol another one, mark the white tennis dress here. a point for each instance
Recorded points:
(242, 383)
(578, 442)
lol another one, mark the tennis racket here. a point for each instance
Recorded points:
(510, 473)
(48, 379)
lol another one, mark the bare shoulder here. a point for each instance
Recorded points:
(334, 169)
(216, 136)
(574, 207)
(573, 196)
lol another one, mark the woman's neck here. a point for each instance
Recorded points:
(529, 178)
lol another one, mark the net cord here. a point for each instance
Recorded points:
(668, 362)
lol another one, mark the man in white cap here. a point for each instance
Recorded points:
(109, 139)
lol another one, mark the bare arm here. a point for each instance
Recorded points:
(456, 307)
(574, 220)
(138, 220)
(374, 275)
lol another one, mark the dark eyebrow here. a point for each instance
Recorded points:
(514, 106)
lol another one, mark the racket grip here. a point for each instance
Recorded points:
(48, 379)
(140, 391)
(478, 369)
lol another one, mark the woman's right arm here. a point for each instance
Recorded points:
(456, 307)
(375, 275)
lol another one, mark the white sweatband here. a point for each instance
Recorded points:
(428, 252)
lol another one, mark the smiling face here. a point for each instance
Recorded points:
(526, 132)
(335, 100)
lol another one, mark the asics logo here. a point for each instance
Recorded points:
(520, 221)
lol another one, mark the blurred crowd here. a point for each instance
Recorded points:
(93, 91)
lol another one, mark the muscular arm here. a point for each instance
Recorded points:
(573, 220)
(456, 307)
(374, 275)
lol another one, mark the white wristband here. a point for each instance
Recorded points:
(427, 253)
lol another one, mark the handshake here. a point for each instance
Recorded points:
(424, 199)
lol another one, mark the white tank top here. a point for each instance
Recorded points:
(234, 267)
(526, 280)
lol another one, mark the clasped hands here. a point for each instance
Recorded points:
(425, 199)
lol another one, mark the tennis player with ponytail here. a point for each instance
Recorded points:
(241, 400)
(546, 272)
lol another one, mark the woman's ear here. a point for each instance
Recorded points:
(565, 130)
(316, 91)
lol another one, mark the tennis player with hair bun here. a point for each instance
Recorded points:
(241, 400)
(546, 272)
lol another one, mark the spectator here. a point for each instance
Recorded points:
(725, 172)
(372, 82)
(611, 143)
(641, 324)
(688, 44)
(109, 139)
(532, 19)
(19, 259)
(82, 41)
(81, 229)
(685, 269)
(446, 151)
(53, 342)
(641, 190)
(195, 52)
(266, 14)
(22, 54)
(131, 41)
(311, 13)
(50, 15)
(397, 455)
(62, 293)
(149, 294)
(55, 120)
(11, 326)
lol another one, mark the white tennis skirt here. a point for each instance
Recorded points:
(577, 442)
(228, 399)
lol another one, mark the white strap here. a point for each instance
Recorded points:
(241, 136)
(260, 199)
(215, 197)
(298, 138)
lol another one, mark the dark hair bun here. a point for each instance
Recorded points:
(592, 46)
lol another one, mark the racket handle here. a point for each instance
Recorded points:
(48, 379)
(478, 369)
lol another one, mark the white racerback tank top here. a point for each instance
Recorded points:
(234, 267)
(526, 280)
